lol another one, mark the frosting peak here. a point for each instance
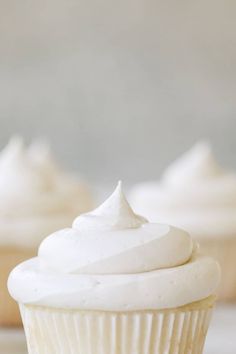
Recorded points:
(21, 171)
(114, 214)
(32, 184)
(13, 151)
(197, 163)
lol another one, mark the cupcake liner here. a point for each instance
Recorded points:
(9, 312)
(174, 331)
(224, 251)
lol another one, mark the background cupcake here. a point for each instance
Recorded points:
(197, 194)
(36, 198)
(115, 283)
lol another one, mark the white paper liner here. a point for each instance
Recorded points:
(178, 331)
(224, 251)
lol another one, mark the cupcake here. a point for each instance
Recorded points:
(36, 198)
(115, 283)
(197, 194)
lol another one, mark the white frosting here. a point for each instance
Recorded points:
(195, 193)
(113, 259)
(195, 165)
(36, 197)
(114, 214)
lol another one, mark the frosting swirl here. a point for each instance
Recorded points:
(194, 193)
(108, 256)
(114, 240)
(37, 197)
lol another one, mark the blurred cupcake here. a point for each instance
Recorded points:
(195, 193)
(36, 198)
(115, 283)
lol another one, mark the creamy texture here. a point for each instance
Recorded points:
(36, 197)
(195, 193)
(113, 259)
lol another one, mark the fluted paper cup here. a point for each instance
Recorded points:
(224, 251)
(9, 258)
(172, 331)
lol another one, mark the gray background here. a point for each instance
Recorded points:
(119, 87)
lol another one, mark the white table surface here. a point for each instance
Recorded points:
(221, 337)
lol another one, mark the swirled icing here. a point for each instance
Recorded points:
(36, 196)
(194, 193)
(114, 259)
